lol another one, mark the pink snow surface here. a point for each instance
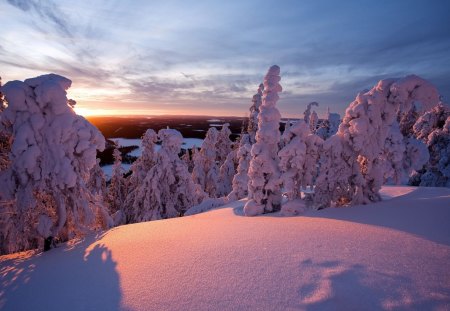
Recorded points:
(391, 255)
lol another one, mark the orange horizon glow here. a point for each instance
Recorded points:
(89, 112)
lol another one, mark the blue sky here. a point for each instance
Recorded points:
(208, 57)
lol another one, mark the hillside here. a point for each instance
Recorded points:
(393, 255)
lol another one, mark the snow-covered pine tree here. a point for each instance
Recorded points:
(313, 120)
(264, 175)
(292, 159)
(5, 138)
(97, 181)
(329, 126)
(240, 180)
(226, 173)
(223, 144)
(52, 153)
(402, 156)
(307, 113)
(139, 169)
(433, 128)
(168, 189)
(117, 190)
(227, 161)
(206, 170)
(298, 160)
(361, 139)
(286, 136)
(254, 111)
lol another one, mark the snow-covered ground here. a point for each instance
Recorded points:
(392, 255)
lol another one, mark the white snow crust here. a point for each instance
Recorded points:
(390, 255)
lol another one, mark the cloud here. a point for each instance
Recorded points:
(48, 11)
(216, 53)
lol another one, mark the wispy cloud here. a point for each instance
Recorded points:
(212, 55)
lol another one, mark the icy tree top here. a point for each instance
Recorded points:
(413, 90)
(272, 86)
(171, 140)
(51, 141)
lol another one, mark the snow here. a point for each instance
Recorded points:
(391, 255)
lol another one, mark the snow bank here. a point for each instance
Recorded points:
(390, 255)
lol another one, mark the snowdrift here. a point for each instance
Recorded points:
(391, 255)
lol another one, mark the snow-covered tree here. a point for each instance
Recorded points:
(254, 111)
(52, 153)
(223, 144)
(226, 173)
(227, 161)
(139, 169)
(206, 170)
(240, 179)
(307, 113)
(117, 190)
(339, 174)
(298, 160)
(168, 189)
(264, 174)
(5, 138)
(97, 181)
(313, 120)
(329, 126)
(361, 139)
(402, 156)
(433, 128)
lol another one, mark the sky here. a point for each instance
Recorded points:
(208, 57)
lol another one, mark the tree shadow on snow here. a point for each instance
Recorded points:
(331, 285)
(79, 276)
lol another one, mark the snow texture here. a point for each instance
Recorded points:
(392, 255)
(264, 175)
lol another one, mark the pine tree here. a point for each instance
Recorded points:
(313, 120)
(168, 189)
(52, 153)
(298, 160)
(240, 179)
(433, 129)
(361, 139)
(329, 126)
(254, 112)
(264, 175)
(117, 189)
(139, 169)
(307, 113)
(206, 170)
